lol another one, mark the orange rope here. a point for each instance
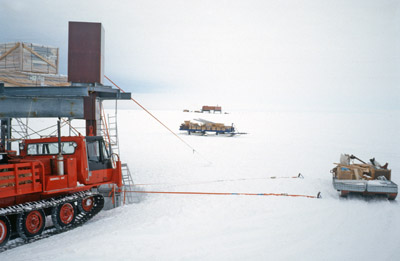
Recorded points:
(124, 196)
(228, 194)
(153, 116)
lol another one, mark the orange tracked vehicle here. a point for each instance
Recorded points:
(63, 177)
(53, 177)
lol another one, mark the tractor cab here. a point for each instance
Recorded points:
(71, 161)
(99, 157)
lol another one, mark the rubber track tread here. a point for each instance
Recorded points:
(80, 218)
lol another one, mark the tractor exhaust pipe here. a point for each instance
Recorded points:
(60, 158)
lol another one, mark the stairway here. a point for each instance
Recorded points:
(113, 133)
(128, 185)
(109, 130)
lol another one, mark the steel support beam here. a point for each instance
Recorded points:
(33, 107)
(44, 91)
(92, 114)
(103, 92)
(50, 101)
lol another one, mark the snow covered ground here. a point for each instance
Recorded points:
(210, 227)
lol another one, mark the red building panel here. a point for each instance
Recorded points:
(85, 52)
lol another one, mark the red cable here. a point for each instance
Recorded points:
(152, 116)
(227, 194)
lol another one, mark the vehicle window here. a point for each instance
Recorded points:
(93, 151)
(68, 147)
(106, 155)
(51, 148)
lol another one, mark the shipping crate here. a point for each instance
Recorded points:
(28, 57)
(382, 172)
(344, 173)
(23, 79)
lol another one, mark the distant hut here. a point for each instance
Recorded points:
(214, 109)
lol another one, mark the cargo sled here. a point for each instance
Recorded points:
(204, 126)
(364, 178)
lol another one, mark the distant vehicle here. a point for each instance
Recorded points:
(365, 178)
(206, 108)
(203, 126)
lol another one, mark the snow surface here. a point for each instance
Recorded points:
(207, 227)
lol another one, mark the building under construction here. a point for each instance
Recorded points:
(68, 178)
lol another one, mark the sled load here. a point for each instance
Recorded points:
(369, 178)
(204, 126)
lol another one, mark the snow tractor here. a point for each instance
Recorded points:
(366, 178)
(53, 177)
(60, 179)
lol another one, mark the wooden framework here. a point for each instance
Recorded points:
(23, 79)
(28, 57)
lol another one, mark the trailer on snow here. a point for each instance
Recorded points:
(203, 127)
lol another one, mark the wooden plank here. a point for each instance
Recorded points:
(7, 80)
(7, 185)
(356, 174)
(21, 59)
(9, 51)
(39, 56)
(15, 78)
(58, 60)
(60, 84)
(6, 178)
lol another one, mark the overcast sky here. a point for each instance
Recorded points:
(272, 54)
